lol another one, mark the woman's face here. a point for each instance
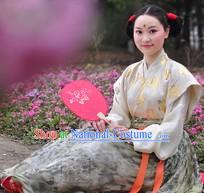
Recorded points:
(149, 35)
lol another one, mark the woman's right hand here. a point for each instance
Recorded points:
(99, 125)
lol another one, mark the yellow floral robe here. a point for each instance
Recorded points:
(164, 93)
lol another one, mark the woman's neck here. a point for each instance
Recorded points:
(149, 59)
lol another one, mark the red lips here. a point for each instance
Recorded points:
(147, 45)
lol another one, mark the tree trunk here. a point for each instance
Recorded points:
(186, 29)
(199, 24)
(178, 12)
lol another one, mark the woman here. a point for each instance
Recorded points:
(158, 95)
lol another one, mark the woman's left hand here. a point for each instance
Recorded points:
(119, 133)
(119, 130)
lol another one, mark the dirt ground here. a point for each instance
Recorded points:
(13, 151)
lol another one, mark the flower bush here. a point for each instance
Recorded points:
(195, 126)
(36, 104)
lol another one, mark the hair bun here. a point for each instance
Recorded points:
(171, 16)
(130, 26)
(175, 23)
(132, 18)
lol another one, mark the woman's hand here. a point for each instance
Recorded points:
(119, 130)
(98, 125)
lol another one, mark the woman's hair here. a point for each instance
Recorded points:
(166, 19)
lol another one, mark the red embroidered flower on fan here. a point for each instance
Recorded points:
(171, 16)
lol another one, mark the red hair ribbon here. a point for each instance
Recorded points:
(171, 16)
(132, 18)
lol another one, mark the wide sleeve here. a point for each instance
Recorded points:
(182, 96)
(171, 126)
(119, 114)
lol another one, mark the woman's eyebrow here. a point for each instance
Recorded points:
(138, 27)
(150, 27)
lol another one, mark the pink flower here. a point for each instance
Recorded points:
(35, 107)
(29, 113)
(199, 128)
(193, 131)
(38, 102)
(3, 105)
(200, 79)
(197, 110)
(33, 93)
(75, 73)
(202, 117)
(194, 143)
(48, 115)
(110, 88)
(63, 83)
(14, 114)
(114, 75)
(13, 101)
(60, 111)
(22, 98)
